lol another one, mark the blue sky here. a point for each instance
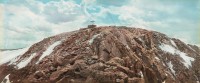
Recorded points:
(28, 21)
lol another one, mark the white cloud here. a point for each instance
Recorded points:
(26, 24)
(57, 12)
(1, 25)
(33, 20)
(112, 2)
(89, 2)
(86, 4)
(131, 15)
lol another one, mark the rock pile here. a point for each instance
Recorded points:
(108, 54)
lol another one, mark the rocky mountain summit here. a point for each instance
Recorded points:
(105, 54)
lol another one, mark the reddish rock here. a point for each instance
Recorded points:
(111, 54)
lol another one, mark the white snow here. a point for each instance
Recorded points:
(91, 40)
(49, 50)
(141, 74)
(166, 74)
(157, 58)
(168, 48)
(6, 79)
(171, 67)
(163, 64)
(173, 43)
(24, 62)
(187, 59)
(117, 80)
(163, 82)
(191, 48)
(127, 47)
(10, 56)
(172, 50)
(141, 40)
(197, 80)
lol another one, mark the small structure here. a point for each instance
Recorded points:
(92, 25)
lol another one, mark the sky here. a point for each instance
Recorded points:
(24, 22)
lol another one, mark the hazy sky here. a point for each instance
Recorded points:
(28, 21)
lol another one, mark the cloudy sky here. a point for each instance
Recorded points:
(25, 22)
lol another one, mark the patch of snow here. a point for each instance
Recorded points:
(91, 40)
(168, 48)
(197, 80)
(87, 48)
(127, 47)
(11, 55)
(37, 71)
(166, 74)
(117, 80)
(6, 79)
(163, 82)
(191, 48)
(163, 64)
(141, 40)
(171, 67)
(187, 59)
(173, 43)
(24, 62)
(172, 50)
(157, 58)
(141, 74)
(49, 50)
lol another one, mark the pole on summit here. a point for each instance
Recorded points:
(92, 25)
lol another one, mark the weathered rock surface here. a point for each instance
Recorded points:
(106, 55)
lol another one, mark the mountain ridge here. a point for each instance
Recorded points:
(106, 54)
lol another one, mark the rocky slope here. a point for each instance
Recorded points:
(106, 54)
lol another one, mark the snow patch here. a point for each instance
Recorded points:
(168, 48)
(166, 74)
(11, 55)
(141, 74)
(163, 82)
(197, 80)
(172, 50)
(117, 80)
(91, 40)
(171, 67)
(191, 48)
(163, 64)
(49, 50)
(157, 58)
(127, 47)
(6, 79)
(173, 43)
(24, 62)
(187, 59)
(141, 40)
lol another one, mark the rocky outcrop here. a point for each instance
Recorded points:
(106, 55)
